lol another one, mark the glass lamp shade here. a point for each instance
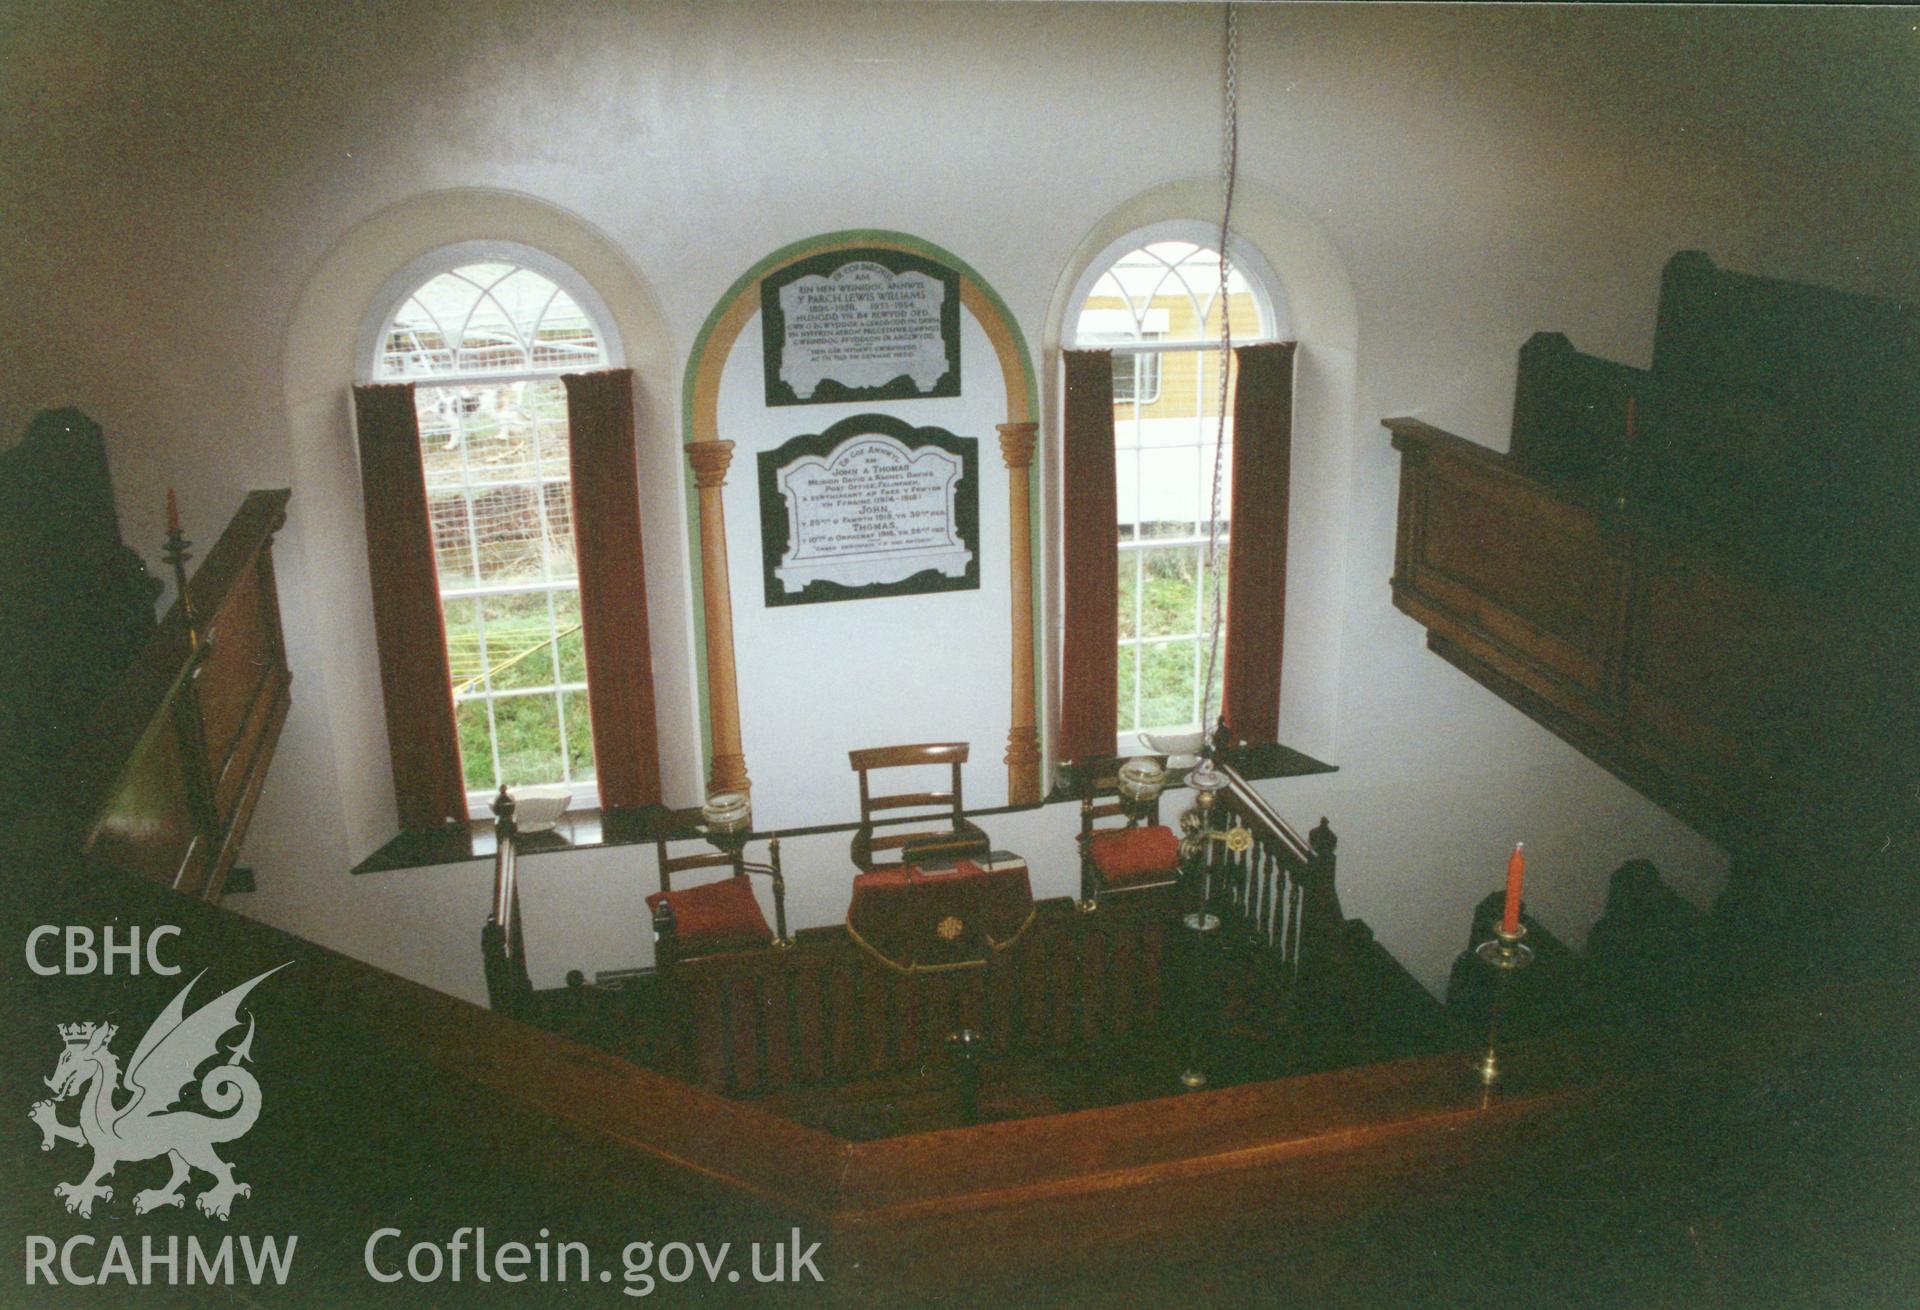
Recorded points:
(727, 812)
(1203, 777)
(1141, 780)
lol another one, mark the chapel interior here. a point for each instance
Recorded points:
(1257, 652)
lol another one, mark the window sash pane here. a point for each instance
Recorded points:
(1159, 309)
(488, 318)
(501, 506)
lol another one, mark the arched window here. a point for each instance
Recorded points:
(481, 338)
(1154, 300)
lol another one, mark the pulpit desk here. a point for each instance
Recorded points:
(956, 915)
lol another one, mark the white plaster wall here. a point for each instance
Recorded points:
(175, 182)
(817, 681)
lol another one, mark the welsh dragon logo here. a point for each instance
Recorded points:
(145, 1124)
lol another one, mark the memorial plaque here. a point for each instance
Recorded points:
(860, 325)
(870, 507)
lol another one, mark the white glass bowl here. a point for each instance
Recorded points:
(537, 809)
(1182, 749)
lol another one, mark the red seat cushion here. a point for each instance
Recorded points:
(714, 910)
(1125, 856)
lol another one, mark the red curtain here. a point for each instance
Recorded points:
(408, 630)
(1257, 548)
(613, 587)
(1090, 655)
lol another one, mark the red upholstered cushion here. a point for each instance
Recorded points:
(1124, 856)
(714, 910)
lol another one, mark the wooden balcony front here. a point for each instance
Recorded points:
(1658, 1160)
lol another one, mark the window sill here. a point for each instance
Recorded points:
(1254, 763)
(578, 830)
(585, 830)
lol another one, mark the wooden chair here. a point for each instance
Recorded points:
(960, 836)
(711, 917)
(1136, 854)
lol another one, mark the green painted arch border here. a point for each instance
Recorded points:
(1020, 407)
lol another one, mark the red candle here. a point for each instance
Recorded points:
(1631, 402)
(173, 512)
(1516, 875)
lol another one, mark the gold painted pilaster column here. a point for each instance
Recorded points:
(1023, 739)
(710, 460)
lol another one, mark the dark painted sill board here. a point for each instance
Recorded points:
(588, 830)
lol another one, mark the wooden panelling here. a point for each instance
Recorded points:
(233, 767)
(236, 664)
(1534, 586)
(166, 777)
(1718, 673)
(150, 827)
(1740, 702)
(752, 1022)
(1090, 651)
(1558, 590)
(1257, 551)
(613, 587)
(409, 628)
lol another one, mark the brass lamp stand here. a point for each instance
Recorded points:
(726, 820)
(1199, 832)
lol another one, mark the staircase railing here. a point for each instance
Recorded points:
(1282, 882)
(1274, 890)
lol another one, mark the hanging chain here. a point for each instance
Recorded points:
(1229, 168)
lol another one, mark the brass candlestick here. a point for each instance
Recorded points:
(1506, 954)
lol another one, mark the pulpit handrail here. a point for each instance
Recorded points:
(1254, 808)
